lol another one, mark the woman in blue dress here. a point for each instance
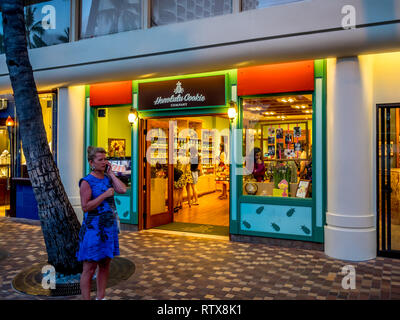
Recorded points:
(98, 237)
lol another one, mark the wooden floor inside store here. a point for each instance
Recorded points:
(210, 210)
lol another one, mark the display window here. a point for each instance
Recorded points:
(47, 103)
(114, 135)
(278, 145)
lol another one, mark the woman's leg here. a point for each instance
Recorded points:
(180, 197)
(224, 190)
(189, 195)
(102, 277)
(193, 186)
(89, 268)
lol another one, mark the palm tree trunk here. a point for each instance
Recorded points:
(59, 223)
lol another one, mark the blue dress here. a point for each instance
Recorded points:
(98, 236)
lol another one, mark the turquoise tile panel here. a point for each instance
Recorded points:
(123, 206)
(276, 219)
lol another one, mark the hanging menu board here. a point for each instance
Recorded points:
(183, 93)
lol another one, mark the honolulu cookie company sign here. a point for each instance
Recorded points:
(191, 92)
(177, 98)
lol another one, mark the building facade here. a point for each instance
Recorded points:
(328, 69)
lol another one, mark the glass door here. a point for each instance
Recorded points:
(388, 179)
(158, 175)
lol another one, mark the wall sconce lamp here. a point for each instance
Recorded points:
(133, 116)
(10, 122)
(232, 111)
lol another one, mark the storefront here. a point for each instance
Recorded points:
(16, 194)
(6, 144)
(280, 112)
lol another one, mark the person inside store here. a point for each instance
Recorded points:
(195, 169)
(159, 171)
(303, 156)
(306, 169)
(179, 183)
(222, 172)
(259, 166)
(98, 236)
(187, 173)
(306, 172)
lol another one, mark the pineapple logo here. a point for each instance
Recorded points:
(179, 89)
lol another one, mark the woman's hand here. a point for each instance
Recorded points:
(109, 169)
(109, 193)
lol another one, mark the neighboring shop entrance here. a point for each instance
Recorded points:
(178, 193)
(388, 179)
(5, 169)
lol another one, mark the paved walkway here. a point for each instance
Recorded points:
(182, 267)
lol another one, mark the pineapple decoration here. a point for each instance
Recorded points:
(179, 89)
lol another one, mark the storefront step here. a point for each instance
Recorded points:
(279, 242)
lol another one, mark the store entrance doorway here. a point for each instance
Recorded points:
(388, 179)
(185, 174)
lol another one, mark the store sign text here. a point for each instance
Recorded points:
(191, 92)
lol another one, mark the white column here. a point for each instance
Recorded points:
(350, 233)
(71, 153)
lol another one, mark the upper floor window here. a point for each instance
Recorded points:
(101, 17)
(46, 23)
(255, 4)
(172, 11)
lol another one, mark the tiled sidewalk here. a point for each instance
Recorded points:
(181, 267)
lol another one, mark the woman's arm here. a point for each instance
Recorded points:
(86, 195)
(118, 185)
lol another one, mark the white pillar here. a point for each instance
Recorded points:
(350, 233)
(71, 153)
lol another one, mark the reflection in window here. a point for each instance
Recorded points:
(101, 17)
(172, 11)
(255, 4)
(46, 102)
(46, 23)
(278, 145)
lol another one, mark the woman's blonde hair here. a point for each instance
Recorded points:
(92, 151)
